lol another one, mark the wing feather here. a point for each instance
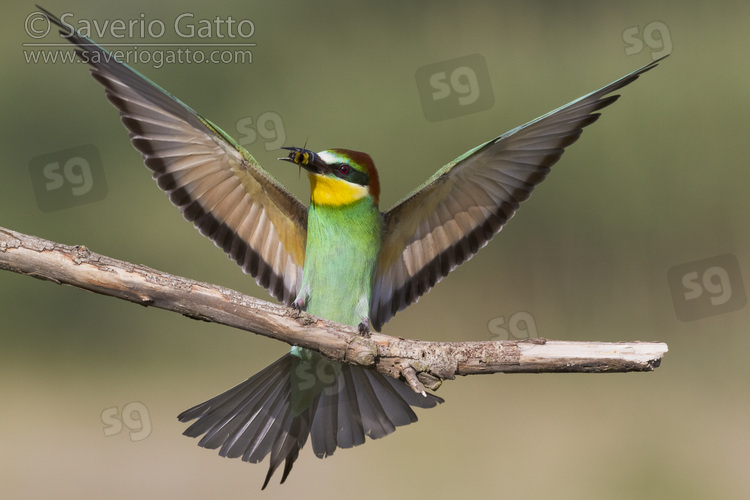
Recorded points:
(460, 208)
(215, 183)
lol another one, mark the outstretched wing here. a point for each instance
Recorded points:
(214, 182)
(460, 208)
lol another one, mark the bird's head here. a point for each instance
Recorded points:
(337, 176)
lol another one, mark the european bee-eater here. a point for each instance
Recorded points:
(340, 258)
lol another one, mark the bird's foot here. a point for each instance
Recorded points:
(298, 304)
(364, 328)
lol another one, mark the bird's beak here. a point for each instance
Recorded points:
(307, 160)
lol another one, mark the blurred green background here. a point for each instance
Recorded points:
(661, 180)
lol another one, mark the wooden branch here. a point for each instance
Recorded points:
(420, 363)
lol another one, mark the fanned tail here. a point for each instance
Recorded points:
(274, 411)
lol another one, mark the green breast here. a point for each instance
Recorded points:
(342, 248)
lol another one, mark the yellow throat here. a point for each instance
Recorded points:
(335, 192)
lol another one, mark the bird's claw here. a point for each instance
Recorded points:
(298, 304)
(364, 328)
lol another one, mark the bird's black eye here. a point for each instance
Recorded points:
(344, 169)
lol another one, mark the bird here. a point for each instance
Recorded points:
(339, 257)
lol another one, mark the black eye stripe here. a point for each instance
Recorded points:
(349, 174)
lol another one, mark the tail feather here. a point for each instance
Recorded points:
(324, 431)
(253, 437)
(260, 416)
(407, 393)
(350, 431)
(375, 420)
(287, 444)
(213, 410)
(251, 414)
(394, 404)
